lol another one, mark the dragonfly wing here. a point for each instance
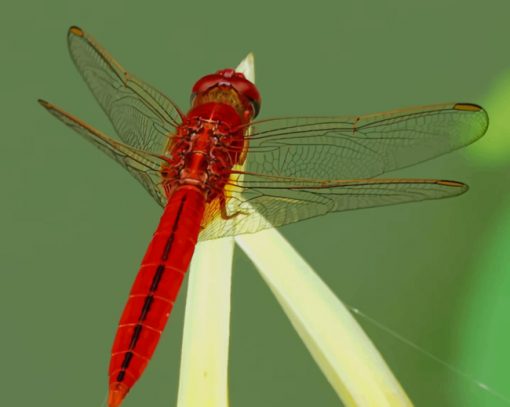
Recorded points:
(267, 203)
(350, 147)
(142, 116)
(143, 166)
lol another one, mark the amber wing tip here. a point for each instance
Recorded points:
(460, 187)
(449, 183)
(44, 103)
(75, 30)
(471, 107)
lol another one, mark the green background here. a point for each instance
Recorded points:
(74, 225)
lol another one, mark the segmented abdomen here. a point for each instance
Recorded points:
(154, 291)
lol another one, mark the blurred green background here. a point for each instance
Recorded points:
(75, 225)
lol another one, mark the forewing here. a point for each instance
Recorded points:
(272, 202)
(143, 166)
(142, 116)
(331, 148)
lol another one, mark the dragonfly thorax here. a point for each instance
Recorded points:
(204, 150)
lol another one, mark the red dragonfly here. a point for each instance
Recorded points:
(195, 166)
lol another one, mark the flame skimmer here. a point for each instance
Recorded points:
(215, 170)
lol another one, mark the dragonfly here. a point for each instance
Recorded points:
(217, 171)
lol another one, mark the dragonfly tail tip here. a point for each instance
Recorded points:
(116, 394)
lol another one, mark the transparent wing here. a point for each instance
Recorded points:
(331, 148)
(143, 166)
(142, 116)
(299, 168)
(271, 202)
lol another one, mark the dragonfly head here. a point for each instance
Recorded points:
(222, 85)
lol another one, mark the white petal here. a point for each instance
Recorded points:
(247, 67)
(342, 350)
(203, 380)
(204, 360)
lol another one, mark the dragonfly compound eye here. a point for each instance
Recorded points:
(229, 78)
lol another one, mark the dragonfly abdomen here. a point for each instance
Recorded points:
(155, 289)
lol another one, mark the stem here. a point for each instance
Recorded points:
(345, 354)
(204, 360)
